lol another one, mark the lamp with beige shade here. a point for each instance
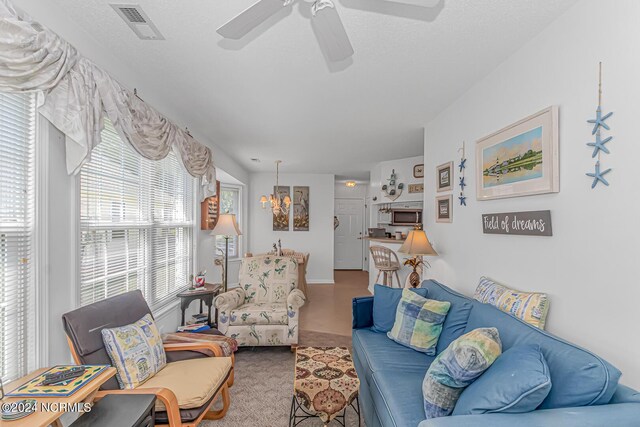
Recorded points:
(417, 245)
(228, 228)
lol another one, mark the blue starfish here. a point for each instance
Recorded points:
(599, 120)
(462, 183)
(463, 200)
(598, 176)
(462, 164)
(599, 145)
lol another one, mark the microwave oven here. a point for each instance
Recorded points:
(406, 216)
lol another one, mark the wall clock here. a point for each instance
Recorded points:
(418, 171)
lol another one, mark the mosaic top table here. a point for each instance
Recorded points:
(326, 384)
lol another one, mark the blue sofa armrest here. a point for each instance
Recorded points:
(625, 394)
(362, 312)
(619, 415)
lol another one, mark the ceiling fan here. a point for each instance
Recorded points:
(324, 19)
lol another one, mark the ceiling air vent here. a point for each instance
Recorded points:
(138, 21)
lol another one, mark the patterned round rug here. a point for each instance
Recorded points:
(261, 395)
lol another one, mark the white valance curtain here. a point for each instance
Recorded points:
(75, 95)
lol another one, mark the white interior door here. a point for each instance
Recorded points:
(348, 234)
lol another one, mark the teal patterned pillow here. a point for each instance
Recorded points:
(456, 367)
(419, 322)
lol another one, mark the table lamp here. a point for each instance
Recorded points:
(418, 245)
(228, 228)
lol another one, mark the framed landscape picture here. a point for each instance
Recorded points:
(444, 177)
(521, 159)
(444, 208)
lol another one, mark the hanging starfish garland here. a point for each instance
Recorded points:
(599, 144)
(461, 183)
(598, 176)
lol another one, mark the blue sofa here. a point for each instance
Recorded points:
(391, 375)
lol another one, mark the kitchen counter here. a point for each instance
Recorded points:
(384, 239)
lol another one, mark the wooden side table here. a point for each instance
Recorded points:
(204, 295)
(42, 417)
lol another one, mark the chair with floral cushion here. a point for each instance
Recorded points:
(264, 309)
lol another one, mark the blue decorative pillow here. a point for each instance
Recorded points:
(385, 305)
(456, 368)
(517, 382)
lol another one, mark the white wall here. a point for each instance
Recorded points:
(360, 191)
(589, 266)
(318, 241)
(404, 170)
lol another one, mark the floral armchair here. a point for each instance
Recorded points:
(264, 309)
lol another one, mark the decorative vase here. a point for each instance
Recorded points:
(414, 279)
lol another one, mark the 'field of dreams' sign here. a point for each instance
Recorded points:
(532, 223)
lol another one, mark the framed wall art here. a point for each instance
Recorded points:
(300, 208)
(444, 208)
(416, 188)
(444, 177)
(281, 221)
(418, 171)
(521, 159)
(210, 210)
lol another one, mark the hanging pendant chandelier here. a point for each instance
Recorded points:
(278, 205)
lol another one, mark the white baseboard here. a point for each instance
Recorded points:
(321, 282)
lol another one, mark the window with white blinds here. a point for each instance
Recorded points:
(17, 208)
(136, 224)
(230, 203)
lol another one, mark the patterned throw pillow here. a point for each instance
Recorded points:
(419, 322)
(456, 367)
(531, 307)
(135, 351)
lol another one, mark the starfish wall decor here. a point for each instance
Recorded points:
(462, 183)
(599, 147)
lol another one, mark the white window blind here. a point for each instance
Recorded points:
(17, 207)
(136, 224)
(230, 203)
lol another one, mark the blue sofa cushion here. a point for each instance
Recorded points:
(385, 304)
(456, 321)
(579, 377)
(518, 381)
(376, 352)
(396, 394)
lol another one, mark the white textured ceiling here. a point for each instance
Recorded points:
(273, 96)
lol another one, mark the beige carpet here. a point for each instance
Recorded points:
(261, 395)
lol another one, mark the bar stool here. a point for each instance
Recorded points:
(387, 263)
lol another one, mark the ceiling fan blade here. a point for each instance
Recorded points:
(239, 26)
(330, 32)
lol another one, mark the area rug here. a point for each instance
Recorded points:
(261, 395)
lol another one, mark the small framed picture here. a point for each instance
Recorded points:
(444, 206)
(444, 177)
(418, 171)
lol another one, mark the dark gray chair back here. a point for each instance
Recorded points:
(84, 326)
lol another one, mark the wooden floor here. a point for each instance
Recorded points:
(329, 308)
